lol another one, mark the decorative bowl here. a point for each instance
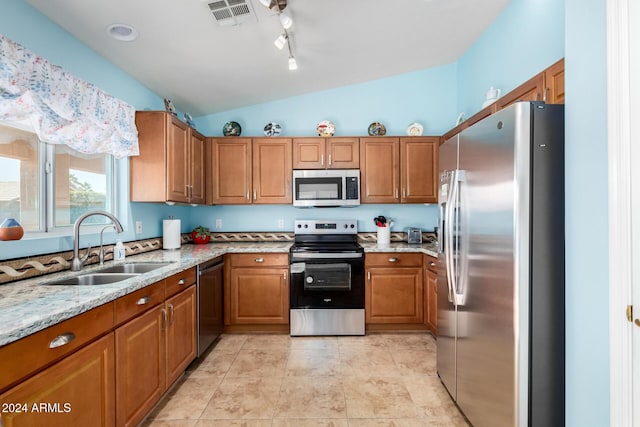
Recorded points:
(231, 129)
(377, 129)
(326, 128)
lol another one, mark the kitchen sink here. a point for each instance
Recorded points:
(93, 279)
(133, 267)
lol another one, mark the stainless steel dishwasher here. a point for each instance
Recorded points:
(209, 287)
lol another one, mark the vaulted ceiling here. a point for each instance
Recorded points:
(205, 65)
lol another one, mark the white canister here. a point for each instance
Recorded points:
(384, 236)
(170, 233)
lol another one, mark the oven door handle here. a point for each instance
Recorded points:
(316, 255)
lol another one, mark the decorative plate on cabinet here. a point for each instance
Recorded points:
(377, 129)
(231, 129)
(326, 128)
(272, 129)
(415, 129)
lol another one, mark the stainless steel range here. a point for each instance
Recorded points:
(327, 279)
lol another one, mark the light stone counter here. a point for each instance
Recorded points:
(28, 306)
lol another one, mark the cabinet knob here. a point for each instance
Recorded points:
(432, 264)
(182, 282)
(144, 300)
(259, 260)
(394, 259)
(62, 339)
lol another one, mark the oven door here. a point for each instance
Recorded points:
(327, 283)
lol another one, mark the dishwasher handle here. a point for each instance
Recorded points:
(212, 268)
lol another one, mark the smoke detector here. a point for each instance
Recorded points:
(231, 12)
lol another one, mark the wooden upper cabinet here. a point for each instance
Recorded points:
(379, 170)
(531, 90)
(272, 173)
(399, 170)
(326, 153)
(309, 153)
(554, 83)
(230, 172)
(198, 173)
(170, 165)
(418, 169)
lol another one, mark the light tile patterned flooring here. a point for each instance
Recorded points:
(278, 380)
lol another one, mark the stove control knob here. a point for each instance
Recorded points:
(309, 279)
(299, 225)
(345, 226)
(353, 226)
(306, 226)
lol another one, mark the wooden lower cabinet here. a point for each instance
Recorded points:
(394, 294)
(77, 391)
(256, 289)
(180, 333)
(140, 366)
(152, 351)
(431, 293)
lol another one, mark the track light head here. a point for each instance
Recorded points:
(293, 65)
(285, 20)
(281, 41)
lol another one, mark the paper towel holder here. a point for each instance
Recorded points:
(171, 238)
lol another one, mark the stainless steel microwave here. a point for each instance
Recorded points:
(331, 187)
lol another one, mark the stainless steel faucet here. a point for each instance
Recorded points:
(101, 251)
(77, 262)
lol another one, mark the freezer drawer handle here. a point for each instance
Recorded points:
(62, 339)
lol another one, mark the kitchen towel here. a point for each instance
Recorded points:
(170, 233)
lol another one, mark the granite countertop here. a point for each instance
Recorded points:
(27, 306)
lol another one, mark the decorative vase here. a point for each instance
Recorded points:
(199, 238)
(10, 229)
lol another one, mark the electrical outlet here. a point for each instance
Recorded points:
(281, 224)
(138, 227)
(218, 223)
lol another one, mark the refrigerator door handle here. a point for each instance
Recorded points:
(458, 284)
(448, 235)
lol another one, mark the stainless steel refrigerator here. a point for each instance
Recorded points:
(501, 267)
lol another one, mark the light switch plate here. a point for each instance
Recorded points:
(218, 223)
(138, 227)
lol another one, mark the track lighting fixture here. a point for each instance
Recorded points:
(285, 20)
(281, 41)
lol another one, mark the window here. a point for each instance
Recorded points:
(47, 187)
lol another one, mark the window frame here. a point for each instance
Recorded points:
(46, 196)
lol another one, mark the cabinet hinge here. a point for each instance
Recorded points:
(630, 313)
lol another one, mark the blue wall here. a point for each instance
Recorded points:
(427, 97)
(587, 215)
(523, 40)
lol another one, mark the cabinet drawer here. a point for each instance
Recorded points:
(393, 259)
(179, 282)
(139, 301)
(26, 356)
(259, 260)
(431, 263)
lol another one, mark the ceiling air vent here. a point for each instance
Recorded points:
(231, 12)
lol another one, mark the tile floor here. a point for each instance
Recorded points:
(277, 380)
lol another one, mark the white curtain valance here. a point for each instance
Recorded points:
(62, 108)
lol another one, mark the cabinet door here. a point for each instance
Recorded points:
(343, 153)
(419, 169)
(197, 178)
(178, 161)
(394, 295)
(531, 90)
(77, 391)
(379, 170)
(308, 153)
(140, 366)
(272, 173)
(554, 83)
(181, 332)
(431, 316)
(258, 296)
(231, 161)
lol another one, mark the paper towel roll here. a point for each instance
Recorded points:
(170, 234)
